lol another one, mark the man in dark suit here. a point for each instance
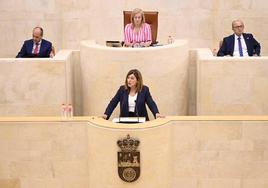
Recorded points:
(36, 47)
(239, 44)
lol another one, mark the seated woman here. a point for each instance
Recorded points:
(132, 97)
(138, 33)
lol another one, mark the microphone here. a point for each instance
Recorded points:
(137, 112)
(119, 120)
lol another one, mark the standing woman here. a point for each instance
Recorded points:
(132, 97)
(138, 33)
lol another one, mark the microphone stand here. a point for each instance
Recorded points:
(119, 120)
(137, 112)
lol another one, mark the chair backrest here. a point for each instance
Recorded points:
(151, 18)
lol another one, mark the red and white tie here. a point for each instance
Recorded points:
(36, 48)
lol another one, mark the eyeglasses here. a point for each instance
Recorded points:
(238, 26)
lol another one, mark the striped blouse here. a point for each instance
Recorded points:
(144, 34)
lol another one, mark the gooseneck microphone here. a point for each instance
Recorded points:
(137, 112)
(119, 120)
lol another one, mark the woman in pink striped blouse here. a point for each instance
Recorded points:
(138, 33)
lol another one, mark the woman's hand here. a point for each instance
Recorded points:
(142, 44)
(136, 45)
(127, 44)
(157, 115)
(147, 44)
(104, 116)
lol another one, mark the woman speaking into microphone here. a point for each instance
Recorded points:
(132, 97)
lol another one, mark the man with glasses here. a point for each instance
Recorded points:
(37, 46)
(239, 44)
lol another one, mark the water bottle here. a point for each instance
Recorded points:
(170, 40)
(64, 111)
(70, 110)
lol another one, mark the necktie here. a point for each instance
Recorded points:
(240, 47)
(36, 48)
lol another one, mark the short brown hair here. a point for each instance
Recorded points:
(138, 76)
(41, 29)
(136, 11)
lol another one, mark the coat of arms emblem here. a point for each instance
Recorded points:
(128, 159)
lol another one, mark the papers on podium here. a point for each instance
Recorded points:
(129, 120)
(112, 43)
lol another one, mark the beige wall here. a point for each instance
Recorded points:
(164, 70)
(35, 87)
(188, 152)
(44, 155)
(197, 83)
(68, 22)
(231, 86)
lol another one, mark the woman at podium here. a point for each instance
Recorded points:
(138, 33)
(132, 97)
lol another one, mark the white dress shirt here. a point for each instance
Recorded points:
(132, 102)
(39, 45)
(236, 47)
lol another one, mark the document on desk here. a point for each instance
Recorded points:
(129, 120)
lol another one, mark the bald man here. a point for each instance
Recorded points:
(36, 47)
(239, 44)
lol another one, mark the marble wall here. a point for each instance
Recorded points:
(44, 155)
(36, 87)
(187, 152)
(66, 23)
(231, 86)
(164, 70)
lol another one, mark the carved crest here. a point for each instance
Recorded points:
(128, 159)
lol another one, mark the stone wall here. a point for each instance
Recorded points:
(66, 23)
(192, 152)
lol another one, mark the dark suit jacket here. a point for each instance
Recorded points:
(143, 97)
(227, 47)
(26, 50)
